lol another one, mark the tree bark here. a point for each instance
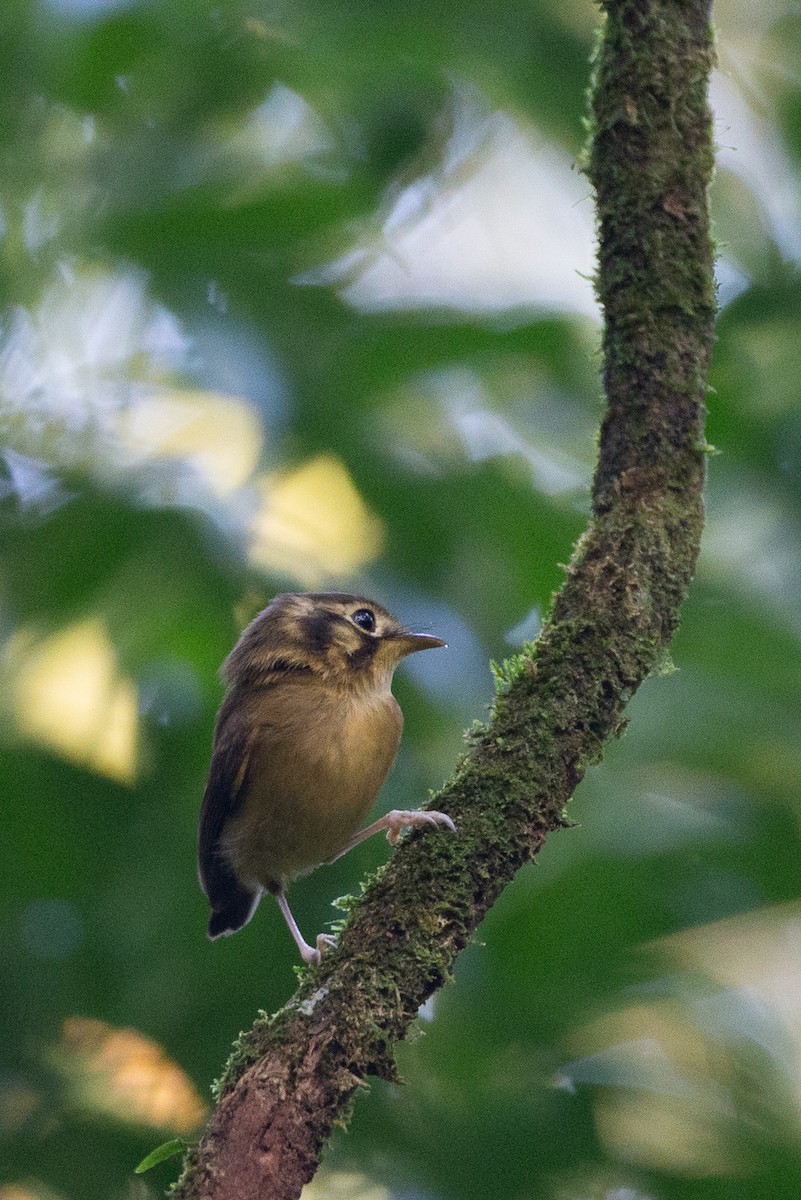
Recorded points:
(293, 1076)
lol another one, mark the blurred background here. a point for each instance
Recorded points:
(297, 296)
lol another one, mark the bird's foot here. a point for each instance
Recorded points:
(312, 955)
(400, 819)
(394, 822)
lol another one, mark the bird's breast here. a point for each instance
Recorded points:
(317, 762)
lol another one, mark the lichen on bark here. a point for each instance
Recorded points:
(292, 1077)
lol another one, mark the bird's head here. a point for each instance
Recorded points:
(348, 640)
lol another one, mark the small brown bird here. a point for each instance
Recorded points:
(305, 736)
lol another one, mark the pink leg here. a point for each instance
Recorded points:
(394, 822)
(308, 953)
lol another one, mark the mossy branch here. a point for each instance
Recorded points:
(293, 1076)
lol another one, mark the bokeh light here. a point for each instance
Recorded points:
(299, 297)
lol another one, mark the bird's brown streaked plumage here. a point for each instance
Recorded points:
(304, 739)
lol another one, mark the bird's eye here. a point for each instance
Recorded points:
(364, 619)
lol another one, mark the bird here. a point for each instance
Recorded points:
(304, 738)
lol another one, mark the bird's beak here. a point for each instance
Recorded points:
(408, 643)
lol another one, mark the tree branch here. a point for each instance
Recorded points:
(292, 1077)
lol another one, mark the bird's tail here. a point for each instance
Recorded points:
(233, 910)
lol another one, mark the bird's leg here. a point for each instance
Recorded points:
(394, 822)
(308, 953)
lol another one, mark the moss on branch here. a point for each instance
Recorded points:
(293, 1076)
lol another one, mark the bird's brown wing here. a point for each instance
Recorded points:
(232, 903)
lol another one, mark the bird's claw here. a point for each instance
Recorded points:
(325, 941)
(398, 820)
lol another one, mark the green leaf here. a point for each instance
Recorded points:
(162, 1152)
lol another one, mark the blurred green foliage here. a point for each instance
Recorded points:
(199, 409)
